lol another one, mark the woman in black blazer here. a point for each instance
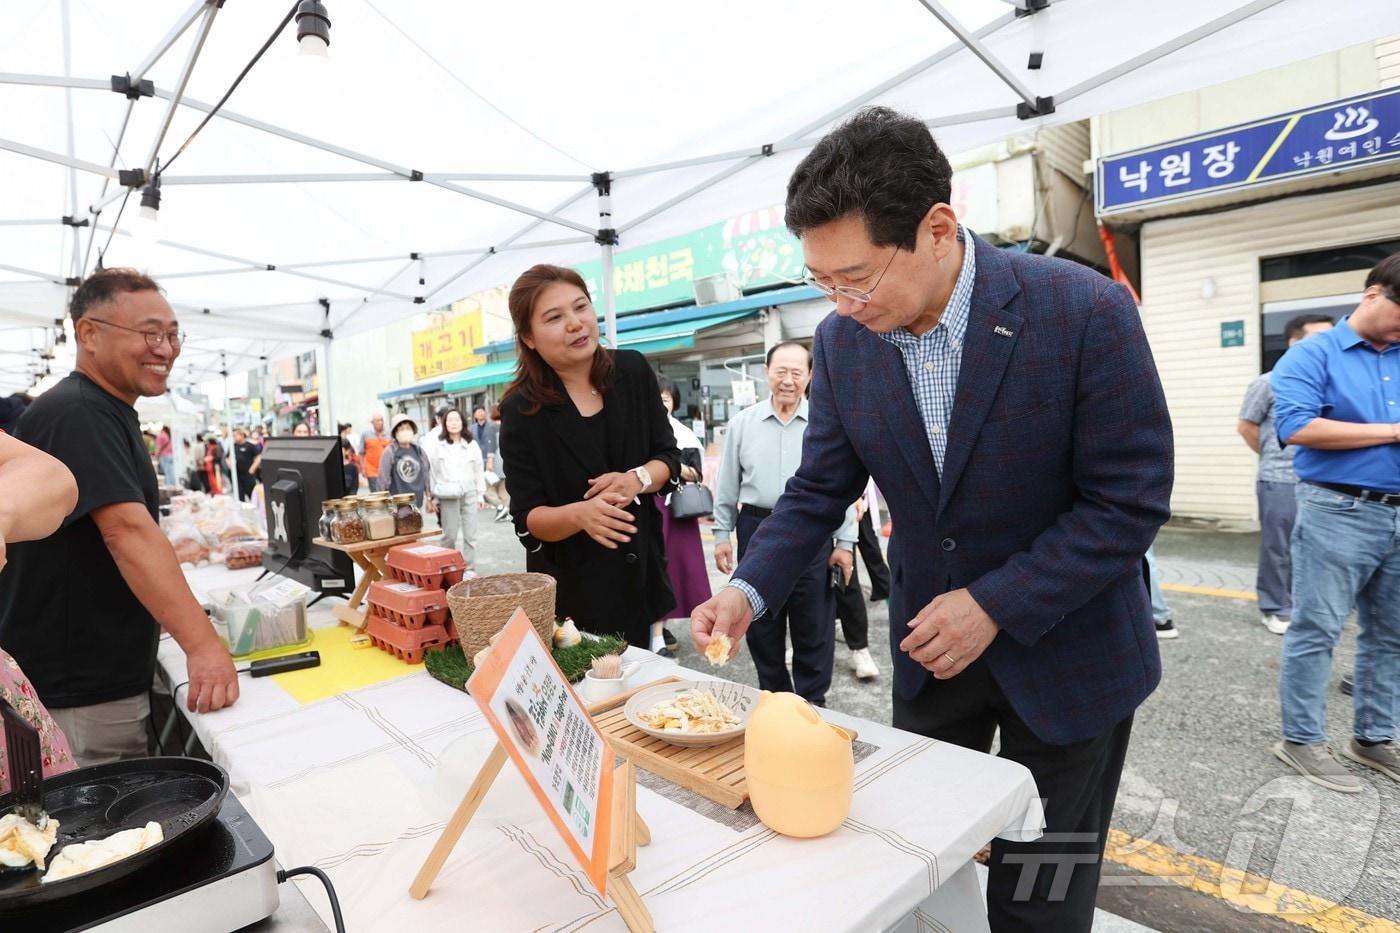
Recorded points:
(589, 445)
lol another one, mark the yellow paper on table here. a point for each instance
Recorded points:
(342, 668)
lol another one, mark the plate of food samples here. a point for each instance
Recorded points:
(693, 713)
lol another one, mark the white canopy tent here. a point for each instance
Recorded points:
(442, 147)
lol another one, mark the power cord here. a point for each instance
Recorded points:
(283, 876)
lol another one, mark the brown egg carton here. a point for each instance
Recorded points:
(407, 604)
(407, 645)
(427, 565)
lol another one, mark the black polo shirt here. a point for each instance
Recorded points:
(66, 614)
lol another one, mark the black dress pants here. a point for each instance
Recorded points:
(1047, 886)
(869, 547)
(850, 609)
(810, 614)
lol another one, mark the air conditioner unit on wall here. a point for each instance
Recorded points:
(713, 289)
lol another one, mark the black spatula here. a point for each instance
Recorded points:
(26, 766)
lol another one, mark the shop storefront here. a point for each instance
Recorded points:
(1239, 230)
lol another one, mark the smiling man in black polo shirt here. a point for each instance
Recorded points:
(81, 610)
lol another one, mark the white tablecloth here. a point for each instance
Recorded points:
(361, 785)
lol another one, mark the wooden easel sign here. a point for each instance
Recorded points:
(541, 725)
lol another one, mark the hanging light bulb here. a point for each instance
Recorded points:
(147, 224)
(313, 31)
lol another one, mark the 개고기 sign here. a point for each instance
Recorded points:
(546, 731)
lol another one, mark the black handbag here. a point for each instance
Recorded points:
(691, 500)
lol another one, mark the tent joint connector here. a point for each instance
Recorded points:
(414, 256)
(270, 267)
(602, 183)
(419, 299)
(71, 221)
(767, 149)
(607, 237)
(122, 84)
(1043, 106)
(415, 175)
(132, 177)
(1031, 7)
(327, 334)
(490, 250)
(72, 281)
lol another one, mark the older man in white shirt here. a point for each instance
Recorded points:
(762, 449)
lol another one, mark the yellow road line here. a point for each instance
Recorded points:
(1210, 591)
(1241, 889)
(1283, 134)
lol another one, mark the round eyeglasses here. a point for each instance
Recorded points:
(154, 338)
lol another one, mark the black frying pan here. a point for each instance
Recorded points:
(181, 794)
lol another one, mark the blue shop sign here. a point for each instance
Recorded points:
(1344, 134)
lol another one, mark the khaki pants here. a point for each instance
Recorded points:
(106, 732)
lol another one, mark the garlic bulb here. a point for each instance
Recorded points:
(567, 635)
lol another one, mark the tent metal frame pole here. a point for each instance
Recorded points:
(411, 174)
(57, 158)
(276, 178)
(323, 263)
(513, 238)
(796, 140)
(96, 207)
(211, 9)
(176, 31)
(324, 408)
(1234, 17)
(85, 84)
(32, 273)
(72, 264)
(972, 116)
(799, 139)
(232, 455)
(975, 46)
(106, 182)
(689, 193)
(266, 267)
(607, 242)
(364, 302)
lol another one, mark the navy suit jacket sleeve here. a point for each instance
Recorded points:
(814, 504)
(1122, 474)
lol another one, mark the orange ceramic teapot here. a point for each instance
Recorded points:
(800, 769)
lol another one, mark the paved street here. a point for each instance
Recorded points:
(1201, 788)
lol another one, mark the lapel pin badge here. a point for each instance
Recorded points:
(1001, 331)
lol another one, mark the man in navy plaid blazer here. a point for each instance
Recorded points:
(1008, 408)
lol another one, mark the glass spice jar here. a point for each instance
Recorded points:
(327, 517)
(378, 515)
(407, 519)
(347, 527)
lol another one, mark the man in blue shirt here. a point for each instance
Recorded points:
(1337, 398)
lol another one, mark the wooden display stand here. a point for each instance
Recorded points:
(369, 556)
(628, 832)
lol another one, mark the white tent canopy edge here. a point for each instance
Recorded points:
(1199, 43)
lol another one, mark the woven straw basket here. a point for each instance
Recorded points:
(482, 606)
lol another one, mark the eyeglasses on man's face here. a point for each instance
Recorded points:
(860, 295)
(154, 338)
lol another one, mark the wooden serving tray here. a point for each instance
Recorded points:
(715, 772)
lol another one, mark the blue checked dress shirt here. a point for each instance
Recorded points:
(933, 361)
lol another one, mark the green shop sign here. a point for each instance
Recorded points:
(754, 249)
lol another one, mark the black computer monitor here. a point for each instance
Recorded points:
(298, 474)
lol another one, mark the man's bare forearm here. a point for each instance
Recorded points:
(1326, 434)
(148, 565)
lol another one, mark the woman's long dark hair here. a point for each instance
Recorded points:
(534, 379)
